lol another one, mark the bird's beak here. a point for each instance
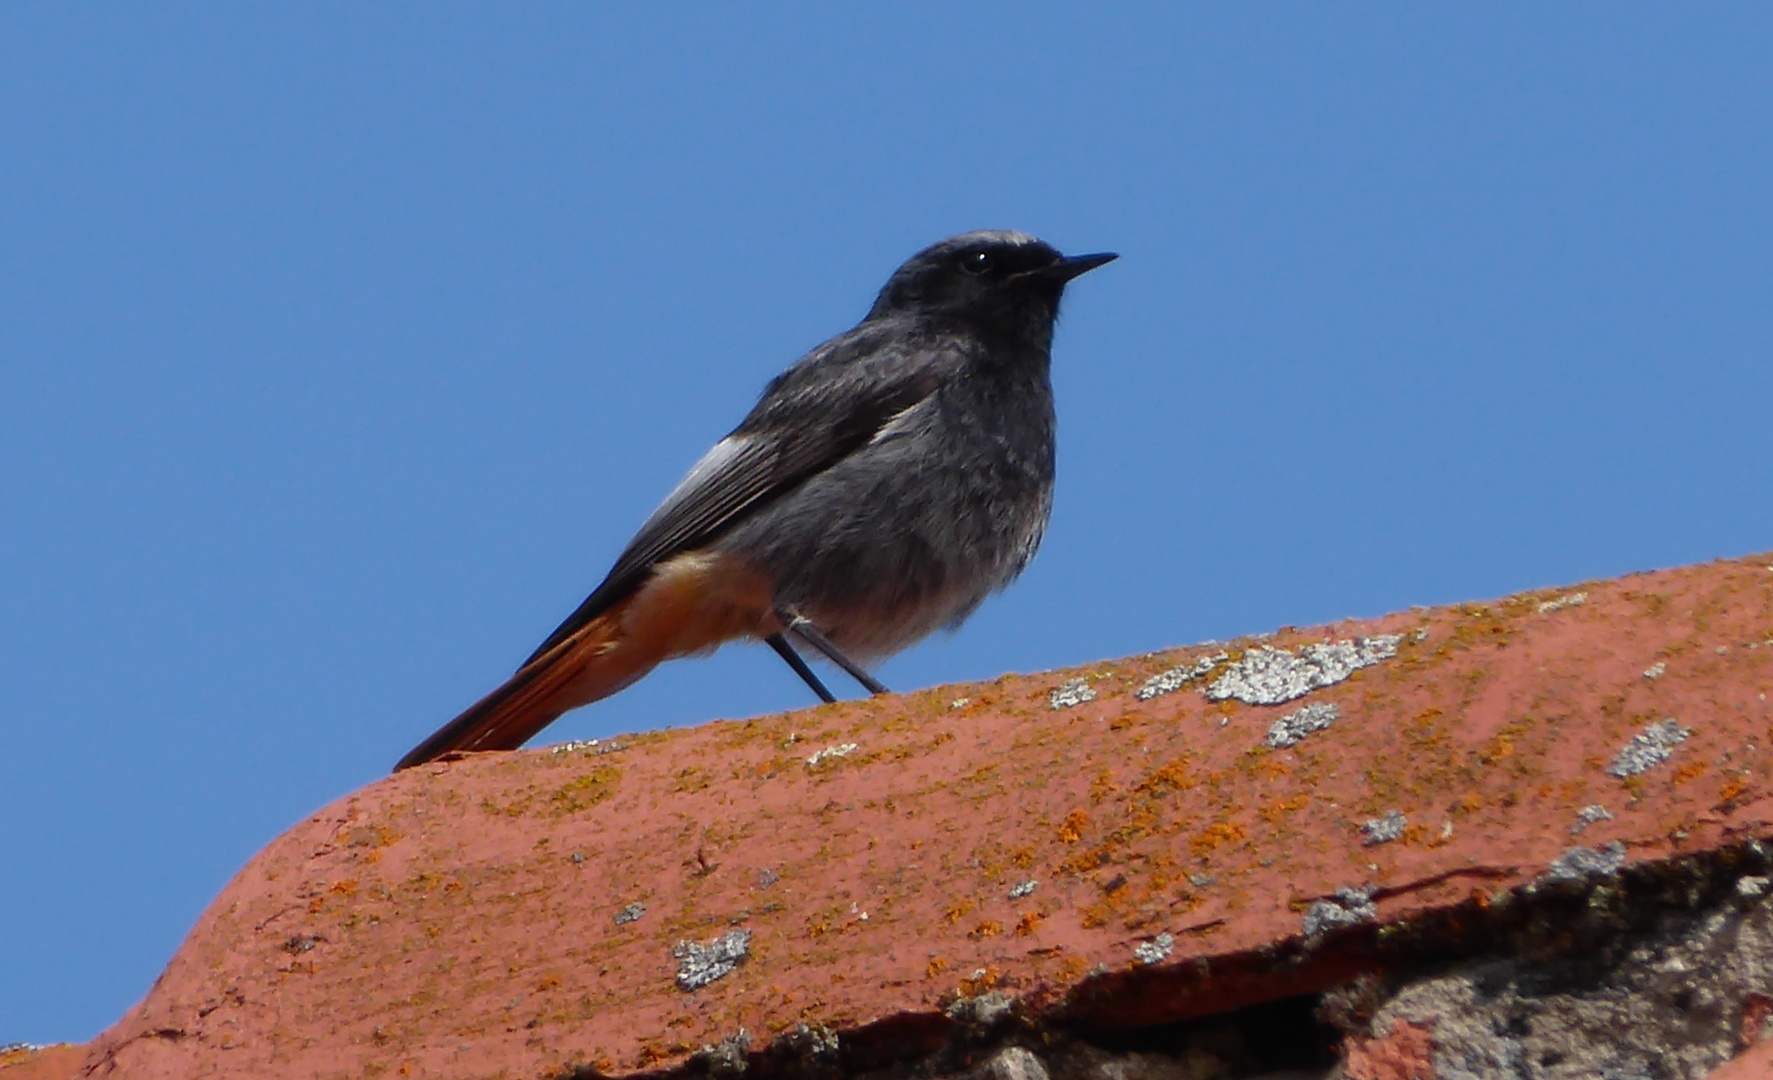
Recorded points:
(1074, 265)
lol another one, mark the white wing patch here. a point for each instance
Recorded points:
(717, 458)
(897, 423)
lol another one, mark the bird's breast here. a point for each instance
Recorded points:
(910, 533)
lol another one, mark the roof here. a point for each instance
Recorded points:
(1125, 843)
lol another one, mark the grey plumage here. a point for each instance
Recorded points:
(900, 473)
(944, 504)
(885, 484)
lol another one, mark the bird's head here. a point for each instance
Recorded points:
(1009, 281)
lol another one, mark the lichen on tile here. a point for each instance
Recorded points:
(1383, 829)
(1071, 692)
(1589, 815)
(813, 761)
(702, 962)
(1578, 863)
(1349, 907)
(1269, 676)
(1650, 747)
(1569, 600)
(1291, 728)
(1154, 951)
(1177, 677)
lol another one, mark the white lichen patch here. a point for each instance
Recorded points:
(1575, 599)
(1268, 676)
(1071, 692)
(701, 962)
(1294, 726)
(830, 752)
(1177, 677)
(1348, 907)
(983, 1012)
(589, 746)
(1384, 829)
(728, 1057)
(631, 913)
(1154, 951)
(1579, 863)
(1654, 671)
(1652, 746)
(1589, 815)
(1025, 888)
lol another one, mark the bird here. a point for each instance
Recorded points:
(882, 488)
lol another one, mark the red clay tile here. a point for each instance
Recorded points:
(520, 912)
(59, 1062)
(1755, 1063)
(1404, 1053)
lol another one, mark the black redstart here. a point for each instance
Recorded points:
(882, 487)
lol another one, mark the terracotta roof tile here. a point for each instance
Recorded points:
(1108, 844)
(58, 1062)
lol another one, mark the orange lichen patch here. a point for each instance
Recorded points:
(1071, 831)
(1730, 793)
(984, 979)
(461, 918)
(1215, 835)
(1415, 835)
(374, 835)
(958, 912)
(585, 791)
(1102, 786)
(1280, 809)
(1689, 771)
(1171, 777)
(1082, 863)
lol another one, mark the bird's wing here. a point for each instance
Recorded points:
(812, 416)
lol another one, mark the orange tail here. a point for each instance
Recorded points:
(689, 604)
(590, 665)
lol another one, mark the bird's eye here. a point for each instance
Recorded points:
(977, 262)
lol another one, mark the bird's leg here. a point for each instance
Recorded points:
(800, 627)
(786, 652)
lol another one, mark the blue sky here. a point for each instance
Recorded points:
(342, 348)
